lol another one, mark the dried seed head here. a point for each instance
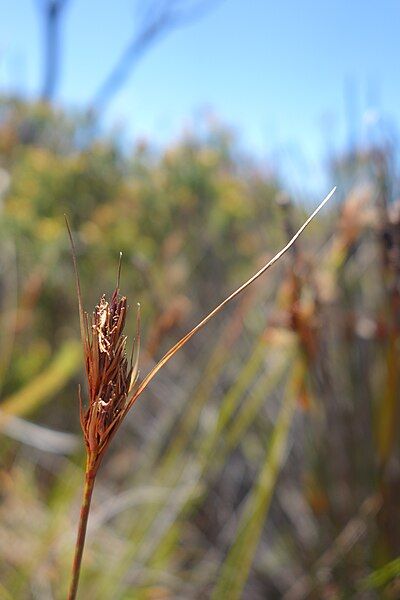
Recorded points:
(110, 375)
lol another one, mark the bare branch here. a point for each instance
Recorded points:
(157, 20)
(51, 13)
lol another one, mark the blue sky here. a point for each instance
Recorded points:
(294, 78)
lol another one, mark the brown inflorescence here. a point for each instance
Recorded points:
(110, 375)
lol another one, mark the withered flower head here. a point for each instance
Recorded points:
(110, 375)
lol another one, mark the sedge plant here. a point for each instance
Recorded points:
(112, 376)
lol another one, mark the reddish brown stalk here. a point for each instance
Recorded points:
(90, 477)
(112, 378)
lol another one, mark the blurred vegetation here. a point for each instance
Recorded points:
(264, 460)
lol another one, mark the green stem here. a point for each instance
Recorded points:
(90, 476)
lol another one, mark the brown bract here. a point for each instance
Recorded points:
(110, 375)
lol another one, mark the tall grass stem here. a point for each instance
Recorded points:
(90, 477)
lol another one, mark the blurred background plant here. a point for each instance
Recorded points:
(263, 462)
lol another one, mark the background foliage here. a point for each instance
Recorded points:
(264, 461)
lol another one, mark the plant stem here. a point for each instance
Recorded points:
(90, 476)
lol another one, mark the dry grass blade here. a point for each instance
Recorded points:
(78, 285)
(220, 306)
